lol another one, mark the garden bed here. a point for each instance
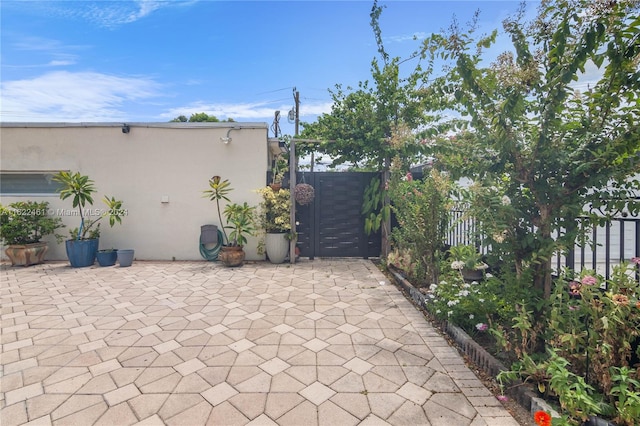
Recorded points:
(484, 361)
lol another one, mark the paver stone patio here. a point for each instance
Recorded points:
(322, 342)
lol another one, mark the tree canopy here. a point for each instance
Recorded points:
(550, 148)
(370, 124)
(200, 117)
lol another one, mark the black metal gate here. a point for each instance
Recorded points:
(333, 225)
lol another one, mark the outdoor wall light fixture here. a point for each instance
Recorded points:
(125, 128)
(227, 138)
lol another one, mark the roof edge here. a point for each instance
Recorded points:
(168, 125)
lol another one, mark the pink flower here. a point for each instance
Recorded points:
(482, 326)
(502, 398)
(409, 177)
(589, 280)
(636, 260)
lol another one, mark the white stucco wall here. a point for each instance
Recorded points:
(151, 161)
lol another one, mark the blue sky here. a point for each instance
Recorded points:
(147, 61)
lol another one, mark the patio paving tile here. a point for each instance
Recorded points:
(323, 342)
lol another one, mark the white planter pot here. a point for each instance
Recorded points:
(277, 247)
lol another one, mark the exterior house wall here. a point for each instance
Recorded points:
(140, 167)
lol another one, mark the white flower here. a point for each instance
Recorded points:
(467, 285)
(489, 275)
(481, 266)
(463, 293)
(451, 303)
(449, 313)
(471, 316)
(481, 300)
(433, 287)
(457, 265)
(438, 311)
(474, 282)
(506, 200)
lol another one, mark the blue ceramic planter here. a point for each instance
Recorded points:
(81, 253)
(107, 258)
(125, 257)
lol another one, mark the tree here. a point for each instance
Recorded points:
(549, 148)
(199, 117)
(377, 121)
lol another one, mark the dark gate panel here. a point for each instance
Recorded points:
(333, 226)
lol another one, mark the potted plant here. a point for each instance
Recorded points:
(22, 226)
(239, 218)
(83, 245)
(277, 174)
(467, 260)
(275, 221)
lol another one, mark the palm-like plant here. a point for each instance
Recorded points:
(240, 218)
(218, 190)
(80, 188)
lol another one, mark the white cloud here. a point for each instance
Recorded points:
(59, 63)
(406, 37)
(68, 96)
(315, 108)
(61, 54)
(116, 13)
(246, 110)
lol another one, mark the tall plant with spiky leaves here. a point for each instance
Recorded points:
(219, 190)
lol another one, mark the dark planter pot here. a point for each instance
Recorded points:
(26, 254)
(471, 274)
(125, 257)
(81, 253)
(231, 255)
(107, 257)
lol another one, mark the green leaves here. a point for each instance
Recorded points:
(218, 189)
(75, 185)
(81, 188)
(372, 206)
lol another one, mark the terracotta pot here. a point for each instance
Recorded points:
(26, 254)
(275, 186)
(231, 255)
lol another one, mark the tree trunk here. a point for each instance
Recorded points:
(386, 224)
(542, 270)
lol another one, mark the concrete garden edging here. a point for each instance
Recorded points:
(483, 359)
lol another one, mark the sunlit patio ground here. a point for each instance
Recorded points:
(322, 342)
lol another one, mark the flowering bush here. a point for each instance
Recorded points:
(592, 325)
(274, 213)
(274, 210)
(595, 321)
(472, 306)
(422, 213)
(466, 257)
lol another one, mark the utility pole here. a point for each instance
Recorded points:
(292, 176)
